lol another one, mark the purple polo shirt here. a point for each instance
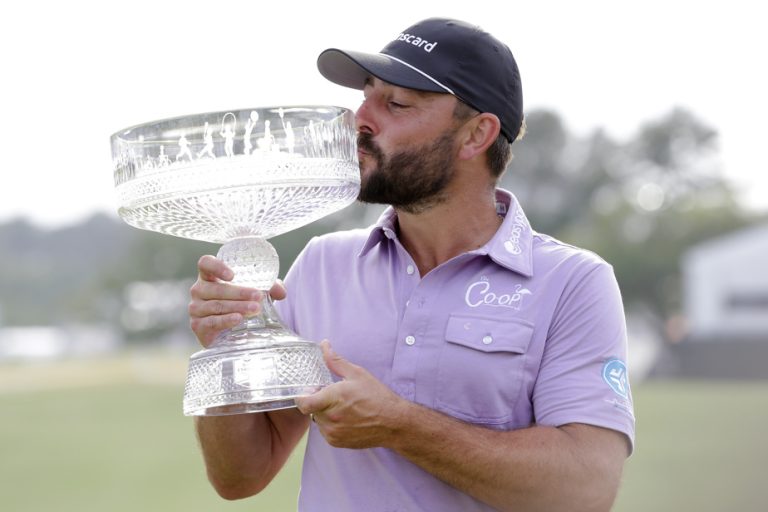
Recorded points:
(524, 330)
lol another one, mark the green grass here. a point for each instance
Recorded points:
(114, 448)
(701, 445)
(125, 447)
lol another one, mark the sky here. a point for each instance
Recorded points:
(75, 72)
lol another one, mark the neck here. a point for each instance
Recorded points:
(458, 225)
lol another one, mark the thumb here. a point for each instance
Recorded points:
(336, 363)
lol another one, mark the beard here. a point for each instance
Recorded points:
(412, 180)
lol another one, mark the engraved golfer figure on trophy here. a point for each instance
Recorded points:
(219, 188)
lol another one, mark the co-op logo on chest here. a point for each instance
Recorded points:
(481, 293)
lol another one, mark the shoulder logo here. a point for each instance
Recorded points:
(615, 375)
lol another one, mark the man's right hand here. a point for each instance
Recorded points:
(217, 305)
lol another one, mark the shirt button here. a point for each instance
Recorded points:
(410, 340)
(487, 340)
(410, 269)
(389, 234)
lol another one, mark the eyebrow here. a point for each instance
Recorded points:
(369, 82)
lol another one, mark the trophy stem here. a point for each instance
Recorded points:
(259, 365)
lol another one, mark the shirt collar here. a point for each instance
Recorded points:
(382, 230)
(510, 247)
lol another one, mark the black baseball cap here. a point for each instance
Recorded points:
(440, 55)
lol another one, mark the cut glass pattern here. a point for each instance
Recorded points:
(238, 178)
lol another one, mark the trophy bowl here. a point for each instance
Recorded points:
(238, 178)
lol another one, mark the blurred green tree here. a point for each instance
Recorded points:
(639, 204)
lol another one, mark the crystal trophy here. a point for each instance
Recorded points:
(238, 178)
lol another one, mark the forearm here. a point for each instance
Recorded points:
(243, 453)
(537, 468)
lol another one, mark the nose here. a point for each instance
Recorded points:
(364, 118)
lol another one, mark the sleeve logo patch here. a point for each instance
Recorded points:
(615, 375)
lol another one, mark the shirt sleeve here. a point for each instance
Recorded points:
(583, 374)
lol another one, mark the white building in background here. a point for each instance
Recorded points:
(726, 287)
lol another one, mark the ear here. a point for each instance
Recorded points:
(479, 133)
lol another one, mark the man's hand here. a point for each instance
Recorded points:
(217, 305)
(356, 412)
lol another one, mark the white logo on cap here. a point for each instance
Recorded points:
(417, 41)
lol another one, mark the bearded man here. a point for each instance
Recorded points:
(480, 364)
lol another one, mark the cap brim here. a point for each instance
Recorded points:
(352, 69)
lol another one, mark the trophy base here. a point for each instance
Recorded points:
(253, 369)
(251, 404)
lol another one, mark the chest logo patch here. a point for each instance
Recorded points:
(481, 293)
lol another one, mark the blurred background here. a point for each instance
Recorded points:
(643, 145)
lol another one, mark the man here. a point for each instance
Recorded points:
(480, 364)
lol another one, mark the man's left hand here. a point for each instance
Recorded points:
(357, 412)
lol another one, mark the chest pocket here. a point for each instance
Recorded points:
(482, 368)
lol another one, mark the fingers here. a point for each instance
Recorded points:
(217, 304)
(338, 364)
(211, 268)
(316, 402)
(329, 395)
(278, 292)
(209, 290)
(208, 328)
(209, 286)
(218, 307)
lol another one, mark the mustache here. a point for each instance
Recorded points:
(366, 143)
